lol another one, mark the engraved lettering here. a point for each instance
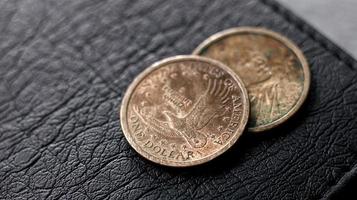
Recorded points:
(149, 144)
(189, 155)
(225, 136)
(236, 115)
(218, 141)
(180, 156)
(171, 155)
(163, 152)
(157, 149)
(137, 129)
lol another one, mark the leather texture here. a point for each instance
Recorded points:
(65, 65)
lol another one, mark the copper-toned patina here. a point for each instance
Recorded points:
(184, 111)
(273, 69)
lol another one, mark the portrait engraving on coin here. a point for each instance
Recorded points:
(185, 111)
(271, 68)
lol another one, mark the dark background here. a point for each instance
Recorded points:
(64, 66)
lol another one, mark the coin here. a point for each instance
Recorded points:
(273, 69)
(184, 110)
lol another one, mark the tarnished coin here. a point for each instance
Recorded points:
(273, 69)
(184, 111)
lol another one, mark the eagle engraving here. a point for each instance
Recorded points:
(209, 105)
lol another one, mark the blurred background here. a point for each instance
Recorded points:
(335, 19)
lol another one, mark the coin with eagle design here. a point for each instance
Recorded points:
(184, 111)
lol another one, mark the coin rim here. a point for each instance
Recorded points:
(153, 67)
(288, 43)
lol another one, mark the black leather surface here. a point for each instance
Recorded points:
(64, 66)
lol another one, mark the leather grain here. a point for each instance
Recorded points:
(64, 66)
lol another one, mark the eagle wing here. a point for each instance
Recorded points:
(209, 105)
